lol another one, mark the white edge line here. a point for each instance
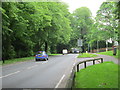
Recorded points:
(72, 67)
(74, 64)
(10, 74)
(60, 81)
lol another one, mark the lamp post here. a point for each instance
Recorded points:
(80, 43)
(97, 46)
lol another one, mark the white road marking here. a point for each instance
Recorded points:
(17, 71)
(38, 62)
(10, 74)
(32, 67)
(60, 81)
(45, 62)
(72, 67)
(74, 64)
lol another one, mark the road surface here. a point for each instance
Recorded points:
(41, 74)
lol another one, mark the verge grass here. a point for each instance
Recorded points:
(109, 53)
(0, 63)
(53, 54)
(104, 75)
(11, 61)
(86, 55)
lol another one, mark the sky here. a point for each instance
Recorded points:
(93, 5)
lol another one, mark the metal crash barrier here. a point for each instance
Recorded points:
(76, 68)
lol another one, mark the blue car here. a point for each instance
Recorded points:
(41, 55)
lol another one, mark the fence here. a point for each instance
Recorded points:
(101, 49)
(85, 62)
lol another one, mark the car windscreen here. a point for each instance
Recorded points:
(39, 53)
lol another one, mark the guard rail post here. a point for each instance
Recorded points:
(101, 60)
(85, 64)
(78, 68)
(93, 62)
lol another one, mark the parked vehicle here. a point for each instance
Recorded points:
(64, 51)
(76, 51)
(41, 55)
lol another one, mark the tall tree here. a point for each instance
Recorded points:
(33, 26)
(81, 24)
(106, 19)
(105, 24)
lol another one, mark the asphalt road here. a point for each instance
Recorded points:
(41, 74)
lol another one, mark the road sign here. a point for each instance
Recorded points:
(109, 40)
(80, 42)
(115, 43)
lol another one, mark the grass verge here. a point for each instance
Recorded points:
(109, 53)
(86, 55)
(11, 61)
(53, 54)
(103, 75)
(0, 63)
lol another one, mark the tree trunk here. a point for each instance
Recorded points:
(46, 47)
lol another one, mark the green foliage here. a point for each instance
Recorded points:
(103, 75)
(81, 22)
(32, 26)
(106, 20)
(105, 24)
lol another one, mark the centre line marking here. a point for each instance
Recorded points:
(10, 74)
(32, 67)
(60, 81)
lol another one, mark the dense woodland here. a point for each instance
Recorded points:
(28, 27)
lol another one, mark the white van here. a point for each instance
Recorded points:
(64, 51)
